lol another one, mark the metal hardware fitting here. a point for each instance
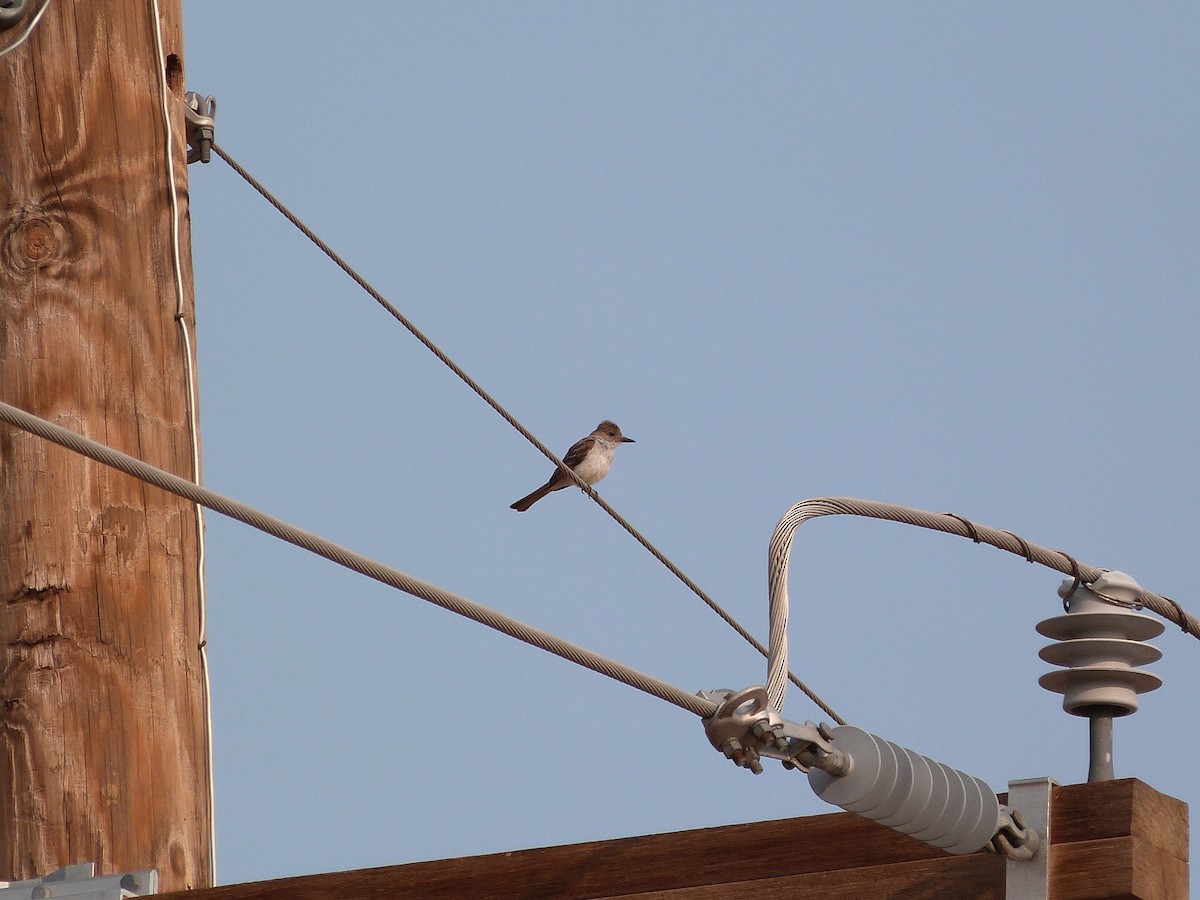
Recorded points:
(200, 112)
(1027, 873)
(81, 883)
(745, 728)
(1013, 838)
(873, 777)
(11, 12)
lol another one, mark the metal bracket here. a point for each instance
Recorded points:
(11, 12)
(81, 883)
(745, 728)
(200, 112)
(1027, 874)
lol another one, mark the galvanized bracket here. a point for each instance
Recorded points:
(201, 113)
(81, 883)
(1029, 878)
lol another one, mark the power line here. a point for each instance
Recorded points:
(511, 420)
(357, 562)
(950, 523)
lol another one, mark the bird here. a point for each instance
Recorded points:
(590, 458)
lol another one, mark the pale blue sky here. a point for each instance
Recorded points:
(942, 255)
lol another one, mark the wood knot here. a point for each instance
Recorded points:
(33, 240)
(178, 856)
(38, 240)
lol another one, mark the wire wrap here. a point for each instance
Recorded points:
(781, 548)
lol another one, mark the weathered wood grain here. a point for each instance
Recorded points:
(1114, 840)
(1120, 808)
(103, 753)
(797, 852)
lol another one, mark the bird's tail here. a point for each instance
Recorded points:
(525, 502)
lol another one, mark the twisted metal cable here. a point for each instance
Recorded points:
(781, 548)
(511, 420)
(349, 559)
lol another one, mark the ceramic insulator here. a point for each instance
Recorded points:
(910, 793)
(1100, 644)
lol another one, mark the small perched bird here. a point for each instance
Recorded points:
(590, 458)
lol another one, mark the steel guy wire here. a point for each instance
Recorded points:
(951, 523)
(511, 420)
(357, 562)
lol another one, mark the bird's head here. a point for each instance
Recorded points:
(613, 433)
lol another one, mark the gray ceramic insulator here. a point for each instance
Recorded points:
(1099, 646)
(910, 793)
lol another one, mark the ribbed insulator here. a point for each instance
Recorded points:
(1101, 643)
(910, 793)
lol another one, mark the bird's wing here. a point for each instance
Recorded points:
(578, 451)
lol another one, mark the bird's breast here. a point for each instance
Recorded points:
(596, 464)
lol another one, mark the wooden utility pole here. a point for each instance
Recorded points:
(104, 749)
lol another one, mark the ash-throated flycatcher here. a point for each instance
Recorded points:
(590, 458)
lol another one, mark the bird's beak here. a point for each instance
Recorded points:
(626, 440)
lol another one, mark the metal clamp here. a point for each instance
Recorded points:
(200, 113)
(745, 728)
(1014, 839)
